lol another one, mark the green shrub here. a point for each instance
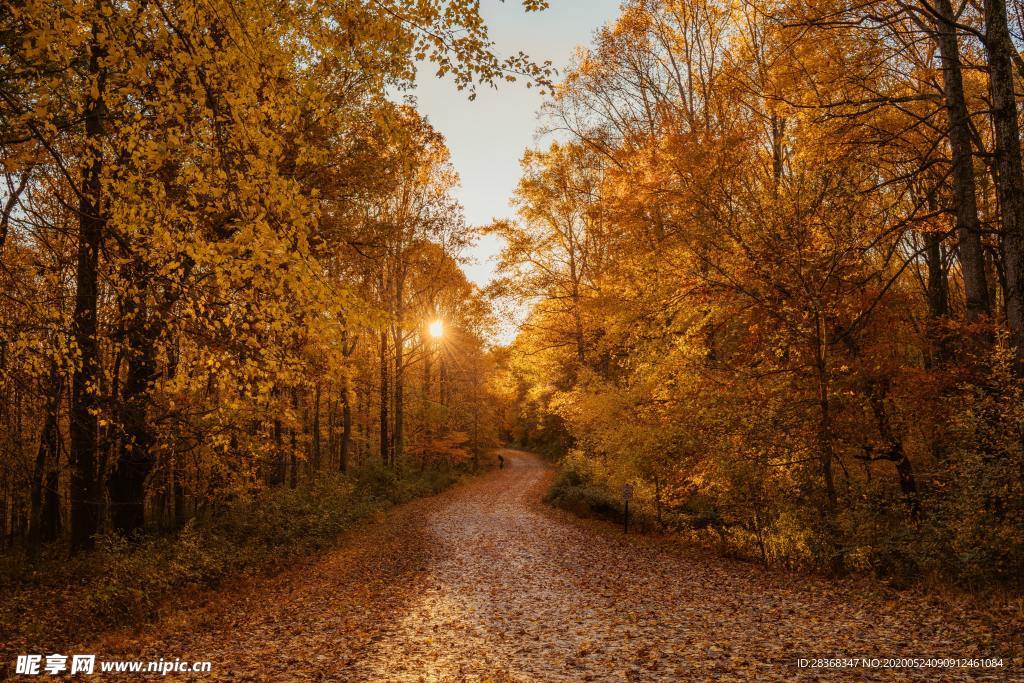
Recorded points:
(698, 512)
(573, 489)
(583, 492)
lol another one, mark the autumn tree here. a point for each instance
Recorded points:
(186, 187)
(796, 280)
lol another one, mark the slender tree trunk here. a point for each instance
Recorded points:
(399, 435)
(293, 480)
(427, 425)
(778, 125)
(1000, 50)
(972, 257)
(398, 338)
(277, 471)
(826, 452)
(293, 445)
(385, 398)
(346, 423)
(332, 427)
(362, 449)
(442, 379)
(428, 369)
(938, 279)
(826, 456)
(178, 488)
(476, 418)
(938, 298)
(85, 399)
(826, 447)
(10, 204)
(316, 429)
(657, 501)
(759, 530)
(46, 459)
(581, 351)
(577, 316)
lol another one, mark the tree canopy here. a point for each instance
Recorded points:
(771, 265)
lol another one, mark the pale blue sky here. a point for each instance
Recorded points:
(488, 135)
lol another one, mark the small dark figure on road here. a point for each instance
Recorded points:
(501, 462)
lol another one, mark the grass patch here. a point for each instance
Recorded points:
(58, 600)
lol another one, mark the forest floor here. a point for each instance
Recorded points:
(484, 582)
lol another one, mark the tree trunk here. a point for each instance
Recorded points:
(316, 429)
(10, 204)
(972, 258)
(442, 379)
(277, 470)
(332, 427)
(426, 417)
(127, 481)
(346, 424)
(778, 125)
(398, 332)
(399, 435)
(178, 491)
(293, 445)
(180, 509)
(577, 316)
(826, 447)
(51, 503)
(46, 464)
(894, 450)
(657, 501)
(938, 298)
(385, 441)
(938, 278)
(293, 480)
(361, 449)
(85, 399)
(826, 451)
(427, 375)
(1000, 50)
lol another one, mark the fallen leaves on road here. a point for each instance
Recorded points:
(482, 583)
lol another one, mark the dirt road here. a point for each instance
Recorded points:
(485, 583)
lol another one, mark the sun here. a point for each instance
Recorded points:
(436, 329)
